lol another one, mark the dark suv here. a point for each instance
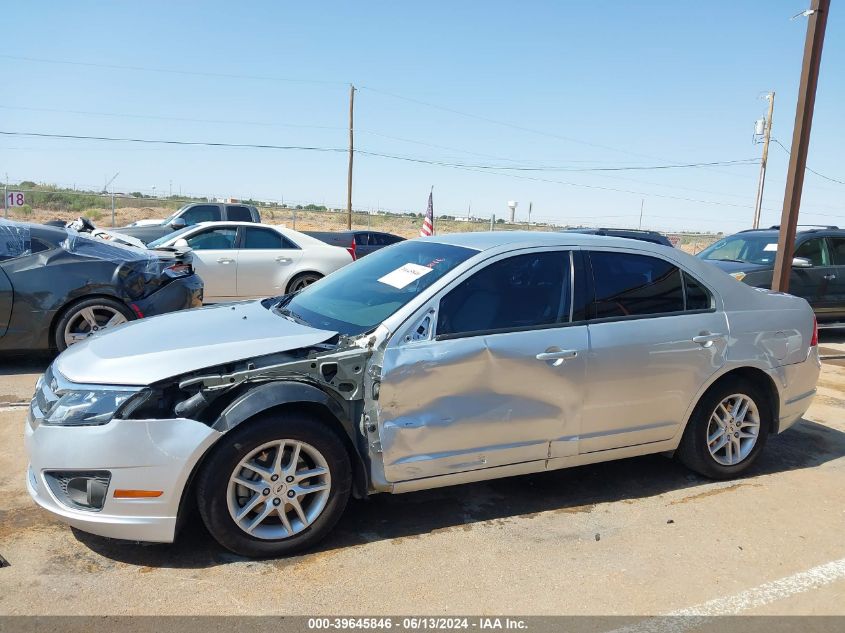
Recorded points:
(191, 214)
(635, 234)
(818, 265)
(358, 243)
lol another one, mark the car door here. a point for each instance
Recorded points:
(266, 262)
(816, 282)
(6, 299)
(498, 377)
(655, 339)
(216, 261)
(836, 287)
(363, 243)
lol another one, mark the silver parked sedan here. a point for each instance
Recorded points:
(433, 362)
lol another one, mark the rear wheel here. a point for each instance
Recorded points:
(84, 318)
(727, 430)
(275, 485)
(303, 280)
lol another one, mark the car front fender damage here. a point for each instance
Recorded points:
(333, 380)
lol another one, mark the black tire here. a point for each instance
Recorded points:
(693, 450)
(302, 280)
(213, 482)
(74, 310)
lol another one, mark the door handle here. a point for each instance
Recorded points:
(556, 357)
(284, 260)
(707, 340)
(830, 277)
(225, 260)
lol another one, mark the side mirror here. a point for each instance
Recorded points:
(181, 243)
(801, 262)
(178, 223)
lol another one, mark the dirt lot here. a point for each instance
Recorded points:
(639, 536)
(303, 220)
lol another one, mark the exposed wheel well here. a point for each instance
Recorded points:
(762, 381)
(64, 309)
(187, 504)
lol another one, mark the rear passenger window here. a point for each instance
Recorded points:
(697, 296)
(239, 214)
(361, 239)
(634, 285)
(262, 238)
(837, 250)
(518, 292)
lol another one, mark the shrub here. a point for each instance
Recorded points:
(23, 210)
(93, 214)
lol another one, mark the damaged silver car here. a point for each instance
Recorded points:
(433, 362)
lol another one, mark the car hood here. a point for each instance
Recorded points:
(734, 267)
(148, 350)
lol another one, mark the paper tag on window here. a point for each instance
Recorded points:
(771, 247)
(404, 275)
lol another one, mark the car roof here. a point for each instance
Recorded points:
(486, 240)
(297, 236)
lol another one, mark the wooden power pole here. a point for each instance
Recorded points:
(351, 154)
(816, 22)
(767, 135)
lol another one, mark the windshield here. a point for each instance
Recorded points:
(753, 249)
(360, 296)
(175, 235)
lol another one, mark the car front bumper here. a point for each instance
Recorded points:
(139, 455)
(179, 294)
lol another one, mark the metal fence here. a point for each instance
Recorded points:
(119, 209)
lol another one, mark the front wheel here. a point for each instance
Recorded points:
(275, 485)
(727, 430)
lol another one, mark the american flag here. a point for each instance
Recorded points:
(428, 224)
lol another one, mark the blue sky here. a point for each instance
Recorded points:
(594, 84)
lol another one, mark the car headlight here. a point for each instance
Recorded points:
(86, 407)
(738, 276)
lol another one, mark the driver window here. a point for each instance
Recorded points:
(215, 239)
(815, 250)
(201, 213)
(517, 292)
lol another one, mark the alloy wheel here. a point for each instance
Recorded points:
(733, 429)
(89, 320)
(279, 489)
(303, 282)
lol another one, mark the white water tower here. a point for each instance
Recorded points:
(512, 204)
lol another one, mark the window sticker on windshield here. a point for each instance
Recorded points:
(771, 247)
(404, 275)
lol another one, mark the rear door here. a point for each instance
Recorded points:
(816, 284)
(655, 339)
(216, 262)
(266, 262)
(836, 246)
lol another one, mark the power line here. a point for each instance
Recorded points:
(412, 159)
(788, 153)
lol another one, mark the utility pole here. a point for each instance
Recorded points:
(530, 206)
(766, 136)
(816, 23)
(492, 221)
(642, 204)
(351, 154)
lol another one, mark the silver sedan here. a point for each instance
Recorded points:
(432, 362)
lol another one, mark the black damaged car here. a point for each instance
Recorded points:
(58, 287)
